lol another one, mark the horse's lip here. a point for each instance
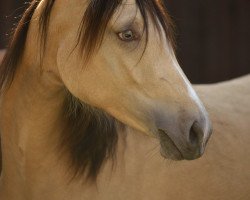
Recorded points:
(169, 149)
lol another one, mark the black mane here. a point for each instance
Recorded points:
(90, 135)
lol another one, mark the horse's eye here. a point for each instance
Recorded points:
(127, 35)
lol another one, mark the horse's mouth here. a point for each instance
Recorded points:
(169, 150)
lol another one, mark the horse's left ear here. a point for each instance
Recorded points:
(2, 53)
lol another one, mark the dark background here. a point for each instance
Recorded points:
(213, 36)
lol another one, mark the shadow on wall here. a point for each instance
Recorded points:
(213, 37)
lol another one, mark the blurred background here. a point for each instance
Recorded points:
(213, 36)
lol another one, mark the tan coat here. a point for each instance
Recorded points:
(223, 173)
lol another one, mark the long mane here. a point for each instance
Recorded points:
(90, 136)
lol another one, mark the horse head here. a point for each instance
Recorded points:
(121, 60)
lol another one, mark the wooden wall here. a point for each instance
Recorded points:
(213, 36)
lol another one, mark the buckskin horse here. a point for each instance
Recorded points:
(87, 87)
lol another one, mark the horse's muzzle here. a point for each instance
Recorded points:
(188, 142)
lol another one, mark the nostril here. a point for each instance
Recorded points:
(195, 134)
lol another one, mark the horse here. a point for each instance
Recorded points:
(223, 173)
(215, 176)
(73, 90)
(223, 180)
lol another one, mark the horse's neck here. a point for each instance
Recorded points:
(31, 120)
(29, 132)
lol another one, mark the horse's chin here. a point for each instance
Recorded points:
(171, 155)
(168, 149)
